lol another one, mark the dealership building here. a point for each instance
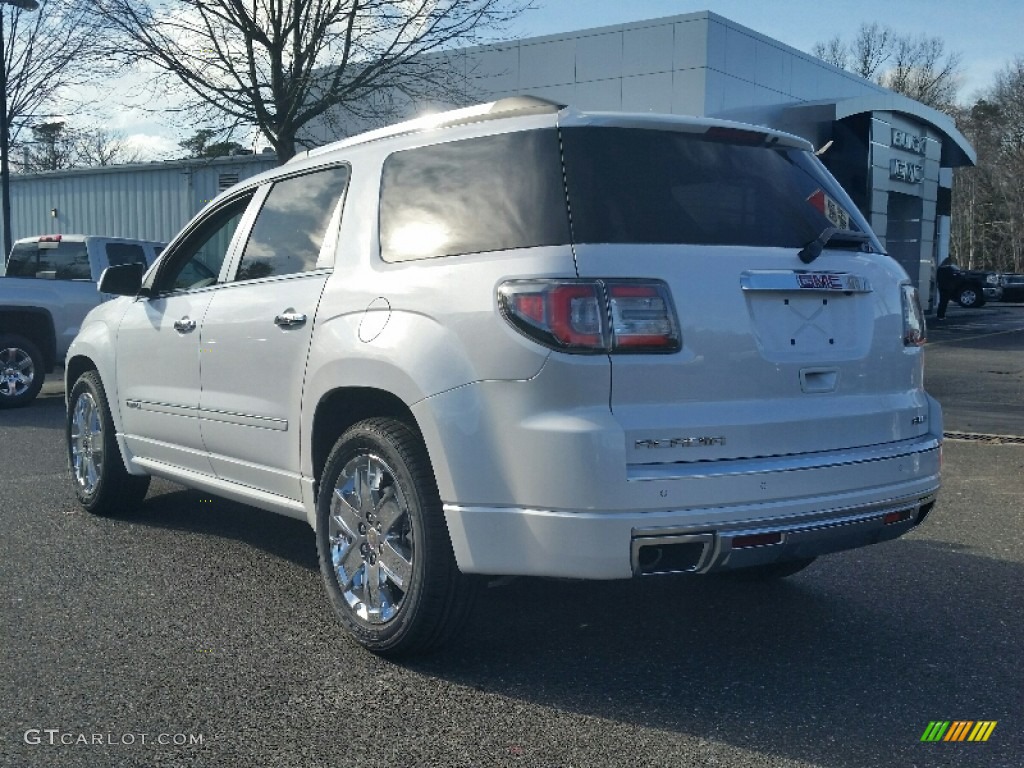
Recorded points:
(893, 155)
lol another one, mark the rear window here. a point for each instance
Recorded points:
(484, 194)
(50, 261)
(649, 186)
(125, 253)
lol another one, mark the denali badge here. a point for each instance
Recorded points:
(680, 442)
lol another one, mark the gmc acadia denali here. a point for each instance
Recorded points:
(520, 339)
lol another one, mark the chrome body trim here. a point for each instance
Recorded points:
(741, 467)
(245, 419)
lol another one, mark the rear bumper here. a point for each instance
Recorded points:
(613, 544)
(525, 542)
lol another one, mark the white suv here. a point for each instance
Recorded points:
(518, 339)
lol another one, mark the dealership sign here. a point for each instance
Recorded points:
(901, 170)
(908, 141)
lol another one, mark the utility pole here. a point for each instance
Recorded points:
(5, 128)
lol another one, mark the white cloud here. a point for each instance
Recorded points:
(151, 146)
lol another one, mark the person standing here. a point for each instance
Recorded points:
(946, 277)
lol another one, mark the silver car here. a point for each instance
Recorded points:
(519, 339)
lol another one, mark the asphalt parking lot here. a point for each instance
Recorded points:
(203, 621)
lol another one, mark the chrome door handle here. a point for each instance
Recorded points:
(185, 325)
(290, 319)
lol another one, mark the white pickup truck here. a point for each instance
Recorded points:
(48, 287)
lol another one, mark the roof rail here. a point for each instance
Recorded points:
(512, 106)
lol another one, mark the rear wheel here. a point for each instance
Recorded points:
(102, 483)
(385, 555)
(768, 572)
(21, 370)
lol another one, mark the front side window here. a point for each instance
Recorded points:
(292, 224)
(50, 260)
(653, 186)
(197, 261)
(474, 195)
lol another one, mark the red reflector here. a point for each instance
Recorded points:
(895, 517)
(756, 540)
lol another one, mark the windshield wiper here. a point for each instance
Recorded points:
(813, 249)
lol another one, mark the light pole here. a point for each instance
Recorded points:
(5, 128)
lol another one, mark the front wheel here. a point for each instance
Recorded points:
(384, 551)
(970, 296)
(21, 371)
(101, 482)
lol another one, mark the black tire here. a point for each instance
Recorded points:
(21, 370)
(970, 297)
(101, 482)
(389, 530)
(769, 572)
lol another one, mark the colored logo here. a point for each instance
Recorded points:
(959, 730)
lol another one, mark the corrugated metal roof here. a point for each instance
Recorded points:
(148, 201)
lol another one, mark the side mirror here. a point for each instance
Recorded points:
(122, 280)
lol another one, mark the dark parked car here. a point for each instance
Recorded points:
(974, 287)
(1013, 288)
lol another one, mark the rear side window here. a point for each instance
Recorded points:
(290, 228)
(50, 261)
(473, 195)
(650, 186)
(125, 253)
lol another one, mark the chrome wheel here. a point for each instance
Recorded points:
(86, 442)
(371, 539)
(17, 372)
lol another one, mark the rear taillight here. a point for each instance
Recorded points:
(593, 316)
(914, 333)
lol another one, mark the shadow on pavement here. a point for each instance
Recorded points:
(834, 666)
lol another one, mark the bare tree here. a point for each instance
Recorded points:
(49, 47)
(101, 146)
(281, 65)
(871, 49)
(56, 145)
(918, 67)
(834, 52)
(988, 200)
(48, 54)
(923, 71)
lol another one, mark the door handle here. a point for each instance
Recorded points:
(185, 325)
(290, 319)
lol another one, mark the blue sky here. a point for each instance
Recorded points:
(989, 34)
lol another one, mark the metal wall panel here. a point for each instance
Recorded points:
(647, 51)
(150, 201)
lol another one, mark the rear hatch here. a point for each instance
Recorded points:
(780, 355)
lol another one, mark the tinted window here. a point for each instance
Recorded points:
(291, 225)
(125, 253)
(646, 186)
(474, 195)
(53, 261)
(196, 262)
